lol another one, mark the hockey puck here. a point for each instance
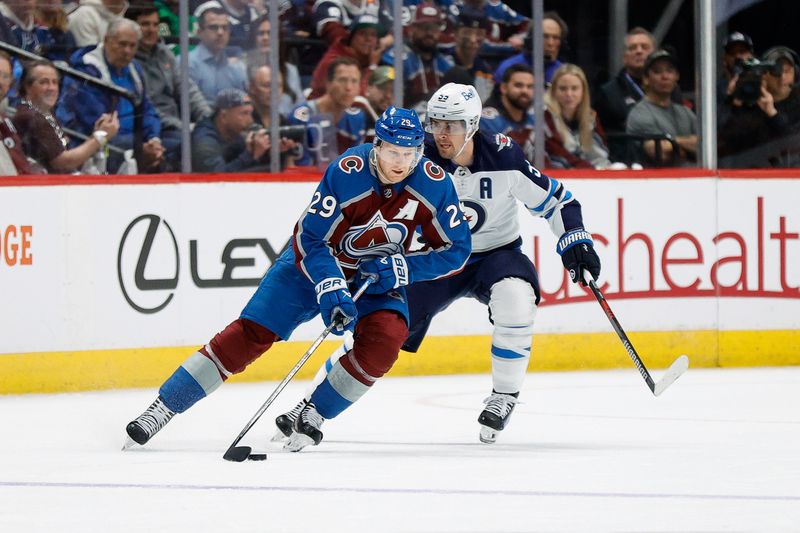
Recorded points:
(257, 457)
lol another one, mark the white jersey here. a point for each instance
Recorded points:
(490, 187)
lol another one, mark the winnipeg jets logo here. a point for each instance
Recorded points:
(502, 141)
(475, 213)
(376, 238)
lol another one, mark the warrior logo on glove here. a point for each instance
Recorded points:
(577, 253)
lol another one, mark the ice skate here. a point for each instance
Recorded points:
(285, 422)
(495, 416)
(148, 423)
(306, 428)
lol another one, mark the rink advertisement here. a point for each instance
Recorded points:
(107, 283)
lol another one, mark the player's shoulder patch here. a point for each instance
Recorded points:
(351, 163)
(502, 141)
(302, 113)
(489, 113)
(433, 171)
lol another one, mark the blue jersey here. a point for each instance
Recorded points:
(495, 119)
(350, 131)
(353, 217)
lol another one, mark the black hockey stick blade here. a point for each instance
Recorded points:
(237, 454)
(675, 370)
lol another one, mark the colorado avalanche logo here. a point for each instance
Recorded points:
(351, 163)
(376, 238)
(434, 171)
(475, 213)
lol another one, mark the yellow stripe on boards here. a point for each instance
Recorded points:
(149, 367)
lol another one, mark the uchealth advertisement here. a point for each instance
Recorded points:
(119, 267)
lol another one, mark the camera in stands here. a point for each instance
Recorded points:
(751, 72)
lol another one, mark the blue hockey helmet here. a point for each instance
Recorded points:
(401, 127)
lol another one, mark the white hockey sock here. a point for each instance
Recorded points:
(323, 371)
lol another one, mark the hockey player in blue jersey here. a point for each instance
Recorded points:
(491, 176)
(360, 223)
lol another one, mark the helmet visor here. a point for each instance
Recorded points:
(449, 127)
(392, 155)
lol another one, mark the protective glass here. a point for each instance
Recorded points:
(449, 127)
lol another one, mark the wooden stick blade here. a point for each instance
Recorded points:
(676, 369)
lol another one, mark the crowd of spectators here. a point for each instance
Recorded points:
(330, 95)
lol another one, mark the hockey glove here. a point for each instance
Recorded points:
(577, 253)
(336, 305)
(392, 272)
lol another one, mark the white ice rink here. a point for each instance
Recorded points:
(586, 451)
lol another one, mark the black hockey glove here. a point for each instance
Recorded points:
(577, 253)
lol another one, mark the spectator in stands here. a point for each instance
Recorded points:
(775, 114)
(573, 135)
(470, 34)
(90, 20)
(12, 158)
(6, 34)
(81, 105)
(258, 54)
(209, 66)
(555, 32)
(31, 36)
(259, 87)
(380, 95)
(342, 125)
(229, 141)
(41, 134)
(657, 114)
(162, 81)
(51, 14)
(616, 98)
(240, 15)
(737, 47)
(332, 18)
(506, 29)
(509, 111)
(361, 44)
(423, 65)
(169, 23)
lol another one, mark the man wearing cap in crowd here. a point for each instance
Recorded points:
(737, 47)
(423, 64)
(775, 114)
(226, 142)
(657, 114)
(380, 95)
(362, 44)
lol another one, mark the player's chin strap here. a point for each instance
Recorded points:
(466, 141)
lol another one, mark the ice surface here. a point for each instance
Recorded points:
(585, 451)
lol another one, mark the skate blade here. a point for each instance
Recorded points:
(129, 443)
(297, 442)
(279, 436)
(488, 435)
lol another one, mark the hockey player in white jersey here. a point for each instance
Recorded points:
(491, 175)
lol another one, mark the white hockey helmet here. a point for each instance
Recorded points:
(455, 101)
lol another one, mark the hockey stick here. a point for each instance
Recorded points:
(678, 367)
(240, 453)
